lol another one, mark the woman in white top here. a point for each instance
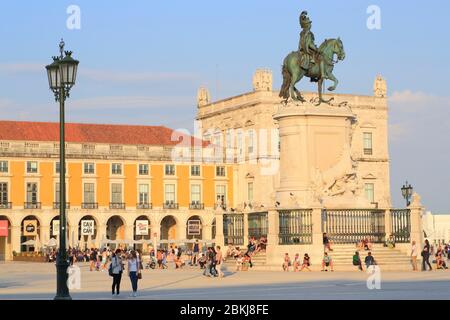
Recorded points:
(133, 269)
(117, 269)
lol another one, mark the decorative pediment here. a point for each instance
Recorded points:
(368, 125)
(369, 176)
(249, 123)
(249, 176)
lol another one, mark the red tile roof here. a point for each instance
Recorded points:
(88, 133)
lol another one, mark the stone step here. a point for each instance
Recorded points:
(346, 268)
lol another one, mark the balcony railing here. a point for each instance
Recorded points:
(56, 205)
(89, 205)
(117, 205)
(367, 151)
(144, 206)
(196, 206)
(170, 205)
(31, 205)
(5, 205)
(223, 206)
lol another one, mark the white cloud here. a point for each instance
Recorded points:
(21, 67)
(398, 131)
(135, 102)
(102, 74)
(417, 98)
(119, 76)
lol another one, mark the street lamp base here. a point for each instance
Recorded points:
(62, 297)
(62, 289)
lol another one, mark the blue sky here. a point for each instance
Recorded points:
(142, 62)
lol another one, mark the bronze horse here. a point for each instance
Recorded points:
(293, 73)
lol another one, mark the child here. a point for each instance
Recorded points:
(296, 262)
(287, 262)
(306, 264)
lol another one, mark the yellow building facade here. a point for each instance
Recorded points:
(115, 186)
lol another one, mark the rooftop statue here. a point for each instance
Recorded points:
(310, 61)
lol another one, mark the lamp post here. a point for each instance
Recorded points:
(407, 191)
(61, 77)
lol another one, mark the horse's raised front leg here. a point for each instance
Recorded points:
(335, 82)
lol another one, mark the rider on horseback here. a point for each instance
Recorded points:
(308, 51)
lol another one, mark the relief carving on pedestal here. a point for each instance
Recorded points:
(340, 184)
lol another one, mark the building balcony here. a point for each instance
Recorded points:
(5, 205)
(170, 205)
(144, 206)
(368, 151)
(117, 205)
(196, 206)
(31, 205)
(223, 206)
(89, 205)
(56, 205)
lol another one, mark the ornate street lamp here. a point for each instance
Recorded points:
(61, 78)
(407, 191)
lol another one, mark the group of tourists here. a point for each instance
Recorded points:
(441, 254)
(212, 262)
(243, 258)
(117, 267)
(297, 264)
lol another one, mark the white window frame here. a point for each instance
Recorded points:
(199, 193)
(174, 192)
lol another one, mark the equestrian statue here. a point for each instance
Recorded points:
(310, 61)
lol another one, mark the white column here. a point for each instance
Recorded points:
(272, 236)
(207, 232)
(73, 235)
(15, 238)
(246, 229)
(387, 222)
(44, 234)
(129, 232)
(416, 224)
(220, 240)
(317, 235)
(101, 233)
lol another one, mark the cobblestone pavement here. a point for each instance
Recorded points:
(38, 281)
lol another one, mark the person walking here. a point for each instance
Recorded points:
(104, 259)
(414, 256)
(196, 251)
(92, 259)
(133, 269)
(219, 260)
(212, 258)
(357, 261)
(426, 256)
(117, 269)
(207, 263)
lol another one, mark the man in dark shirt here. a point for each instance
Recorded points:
(196, 251)
(326, 243)
(369, 260)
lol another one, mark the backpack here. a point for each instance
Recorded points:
(110, 269)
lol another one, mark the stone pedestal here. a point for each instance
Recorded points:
(219, 239)
(315, 152)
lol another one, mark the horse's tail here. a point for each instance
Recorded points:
(284, 91)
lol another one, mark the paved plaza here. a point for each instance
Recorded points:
(37, 281)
